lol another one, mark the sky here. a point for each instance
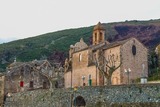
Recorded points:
(27, 18)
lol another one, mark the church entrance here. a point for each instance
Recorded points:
(79, 102)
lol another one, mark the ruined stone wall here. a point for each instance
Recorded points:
(134, 62)
(135, 95)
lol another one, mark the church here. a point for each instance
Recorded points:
(86, 66)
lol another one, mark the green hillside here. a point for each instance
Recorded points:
(40, 46)
(44, 46)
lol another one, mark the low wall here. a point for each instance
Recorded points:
(147, 95)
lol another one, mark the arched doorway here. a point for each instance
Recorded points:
(79, 102)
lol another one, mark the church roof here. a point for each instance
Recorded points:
(106, 45)
(98, 46)
(99, 26)
(117, 43)
(94, 47)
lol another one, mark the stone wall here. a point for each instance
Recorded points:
(134, 62)
(80, 68)
(68, 80)
(135, 95)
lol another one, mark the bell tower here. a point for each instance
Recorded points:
(98, 34)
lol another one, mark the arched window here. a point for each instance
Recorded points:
(80, 57)
(134, 50)
(100, 37)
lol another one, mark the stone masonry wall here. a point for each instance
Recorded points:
(134, 62)
(80, 68)
(135, 95)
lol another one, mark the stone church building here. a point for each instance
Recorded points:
(81, 68)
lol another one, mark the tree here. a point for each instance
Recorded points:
(106, 66)
(58, 70)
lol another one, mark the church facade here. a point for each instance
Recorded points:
(82, 68)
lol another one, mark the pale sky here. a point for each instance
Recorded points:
(26, 18)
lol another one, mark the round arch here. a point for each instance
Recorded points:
(79, 102)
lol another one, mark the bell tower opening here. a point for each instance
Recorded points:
(98, 34)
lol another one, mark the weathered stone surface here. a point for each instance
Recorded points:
(146, 95)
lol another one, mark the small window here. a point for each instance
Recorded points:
(80, 57)
(31, 85)
(89, 76)
(44, 85)
(134, 50)
(21, 83)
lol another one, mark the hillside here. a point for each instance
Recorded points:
(54, 46)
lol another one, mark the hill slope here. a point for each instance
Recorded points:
(55, 45)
